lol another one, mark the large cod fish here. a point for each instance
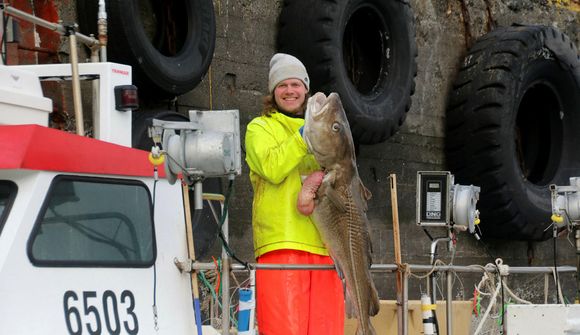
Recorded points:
(340, 205)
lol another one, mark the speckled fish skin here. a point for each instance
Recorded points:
(341, 205)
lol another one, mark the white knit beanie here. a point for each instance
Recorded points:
(284, 66)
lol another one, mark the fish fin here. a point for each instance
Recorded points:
(366, 195)
(329, 178)
(370, 245)
(335, 199)
(375, 304)
(348, 303)
(365, 191)
(339, 272)
(327, 188)
(336, 266)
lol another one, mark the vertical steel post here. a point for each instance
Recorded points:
(397, 245)
(449, 303)
(405, 303)
(76, 83)
(577, 236)
(225, 281)
(102, 29)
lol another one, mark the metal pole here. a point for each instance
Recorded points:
(433, 277)
(225, 281)
(546, 286)
(102, 29)
(215, 197)
(405, 303)
(449, 303)
(449, 298)
(96, 86)
(391, 268)
(76, 82)
(89, 41)
(191, 246)
(577, 236)
(480, 269)
(397, 246)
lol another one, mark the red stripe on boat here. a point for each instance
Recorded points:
(34, 147)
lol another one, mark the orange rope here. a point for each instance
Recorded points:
(218, 280)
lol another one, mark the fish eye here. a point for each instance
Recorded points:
(335, 126)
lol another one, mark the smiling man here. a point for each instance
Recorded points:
(289, 302)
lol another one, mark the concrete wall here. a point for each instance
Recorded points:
(245, 41)
(246, 33)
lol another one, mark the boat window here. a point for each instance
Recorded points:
(94, 222)
(7, 194)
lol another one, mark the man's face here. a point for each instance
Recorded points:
(290, 95)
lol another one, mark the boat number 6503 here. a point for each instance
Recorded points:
(79, 314)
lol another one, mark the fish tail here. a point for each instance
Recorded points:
(349, 304)
(375, 304)
(367, 330)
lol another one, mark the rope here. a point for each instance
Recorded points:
(495, 293)
(433, 268)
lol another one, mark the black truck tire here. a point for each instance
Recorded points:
(512, 126)
(169, 48)
(362, 49)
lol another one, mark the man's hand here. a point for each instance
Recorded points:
(307, 194)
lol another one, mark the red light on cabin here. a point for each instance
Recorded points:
(126, 98)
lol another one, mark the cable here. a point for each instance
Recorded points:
(210, 87)
(218, 275)
(227, 248)
(435, 264)
(211, 288)
(225, 244)
(427, 233)
(3, 41)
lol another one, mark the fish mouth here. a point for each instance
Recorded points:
(321, 112)
(316, 105)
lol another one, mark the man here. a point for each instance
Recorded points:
(289, 302)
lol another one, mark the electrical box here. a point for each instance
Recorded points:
(433, 198)
(440, 203)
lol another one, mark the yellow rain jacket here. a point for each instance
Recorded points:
(278, 158)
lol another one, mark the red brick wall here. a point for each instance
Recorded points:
(25, 50)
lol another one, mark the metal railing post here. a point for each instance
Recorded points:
(405, 303)
(225, 281)
(449, 303)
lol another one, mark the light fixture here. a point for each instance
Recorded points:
(126, 98)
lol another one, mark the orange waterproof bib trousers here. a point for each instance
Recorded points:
(298, 302)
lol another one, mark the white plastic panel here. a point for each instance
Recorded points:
(21, 99)
(543, 319)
